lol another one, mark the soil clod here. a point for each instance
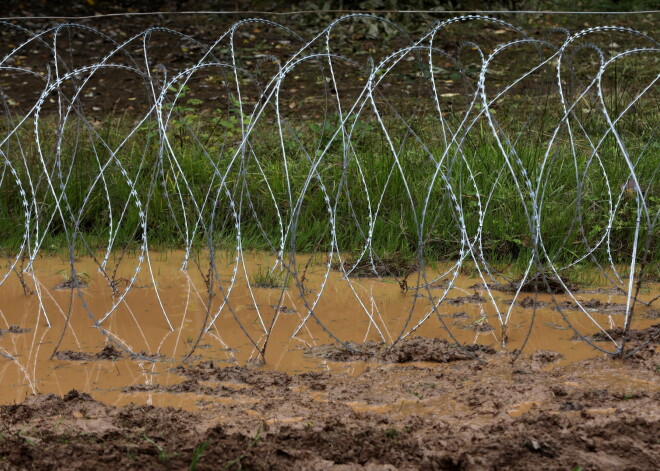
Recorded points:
(407, 350)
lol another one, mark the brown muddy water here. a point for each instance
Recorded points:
(145, 351)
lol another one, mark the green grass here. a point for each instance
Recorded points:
(197, 454)
(168, 188)
(265, 278)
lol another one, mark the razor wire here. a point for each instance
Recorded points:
(461, 89)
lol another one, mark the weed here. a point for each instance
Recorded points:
(197, 454)
(257, 436)
(392, 433)
(265, 278)
(79, 280)
(162, 454)
(29, 440)
(237, 462)
(629, 394)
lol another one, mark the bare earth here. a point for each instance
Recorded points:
(451, 412)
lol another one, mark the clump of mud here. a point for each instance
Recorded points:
(650, 334)
(593, 305)
(653, 314)
(407, 350)
(349, 351)
(529, 303)
(434, 350)
(388, 265)
(72, 283)
(546, 356)
(641, 347)
(109, 352)
(14, 329)
(150, 356)
(538, 283)
(544, 282)
(209, 371)
(475, 298)
(187, 386)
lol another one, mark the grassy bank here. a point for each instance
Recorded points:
(433, 192)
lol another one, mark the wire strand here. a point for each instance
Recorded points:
(307, 12)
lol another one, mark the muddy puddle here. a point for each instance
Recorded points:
(129, 330)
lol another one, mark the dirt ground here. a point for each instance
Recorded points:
(255, 42)
(450, 412)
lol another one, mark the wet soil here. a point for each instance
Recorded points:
(395, 265)
(72, 283)
(407, 350)
(529, 303)
(14, 329)
(591, 305)
(109, 352)
(543, 283)
(362, 319)
(596, 305)
(257, 43)
(421, 402)
(455, 415)
(650, 335)
(475, 298)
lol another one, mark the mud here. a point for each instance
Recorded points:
(71, 283)
(394, 265)
(136, 347)
(312, 402)
(14, 329)
(529, 303)
(594, 414)
(475, 298)
(650, 335)
(652, 314)
(541, 283)
(545, 356)
(407, 350)
(109, 352)
(594, 305)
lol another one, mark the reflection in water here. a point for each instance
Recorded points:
(165, 315)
